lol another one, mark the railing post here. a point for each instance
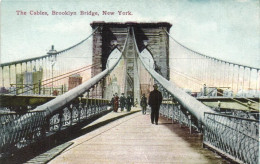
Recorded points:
(60, 117)
(79, 108)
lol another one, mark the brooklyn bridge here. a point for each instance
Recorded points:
(56, 108)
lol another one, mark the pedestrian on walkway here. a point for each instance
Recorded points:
(132, 100)
(136, 102)
(122, 102)
(143, 103)
(155, 100)
(116, 102)
(112, 102)
(128, 103)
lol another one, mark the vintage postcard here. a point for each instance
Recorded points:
(141, 81)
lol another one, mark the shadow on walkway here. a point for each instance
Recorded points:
(59, 138)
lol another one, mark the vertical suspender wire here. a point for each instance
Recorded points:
(205, 70)
(238, 76)
(257, 76)
(199, 69)
(3, 81)
(190, 84)
(43, 69)
(21, 75)
(193, 62)
(224, 74)
(211, 72)
(219, 75)
(9, 74)
(208, 69)
(215, 72)
(25, 85)
(244, 69)
(15, 72)
(249, 79)
(44, 74)
(224, 77)
(196, 68)
(228, 71)
(31, 63)
(233, 74)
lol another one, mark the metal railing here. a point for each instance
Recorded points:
(235, 137)
(18, 131)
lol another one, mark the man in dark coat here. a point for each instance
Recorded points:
(155, 100)
(122, 101)
(132, 100)
(128, 103)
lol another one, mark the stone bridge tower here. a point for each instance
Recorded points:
(148, 35)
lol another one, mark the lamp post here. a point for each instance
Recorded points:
(52, 58)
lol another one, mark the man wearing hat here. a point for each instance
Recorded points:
(122, 101)
(155, 100)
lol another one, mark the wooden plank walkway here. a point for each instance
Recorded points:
(133, 139)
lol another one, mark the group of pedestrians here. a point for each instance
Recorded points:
(122, 101)
(154, 101)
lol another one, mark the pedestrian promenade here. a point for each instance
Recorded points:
(133, 139)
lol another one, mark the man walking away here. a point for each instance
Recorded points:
(122, 102)
(155, 100)
(143, 103)
(128, 103)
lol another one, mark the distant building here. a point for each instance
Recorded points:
(74, 80)
(28, 82)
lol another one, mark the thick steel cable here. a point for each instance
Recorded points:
(49, 55)
(207, 55)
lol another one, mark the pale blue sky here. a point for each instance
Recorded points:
(225, 29)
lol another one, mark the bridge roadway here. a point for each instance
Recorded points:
(133, 139)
